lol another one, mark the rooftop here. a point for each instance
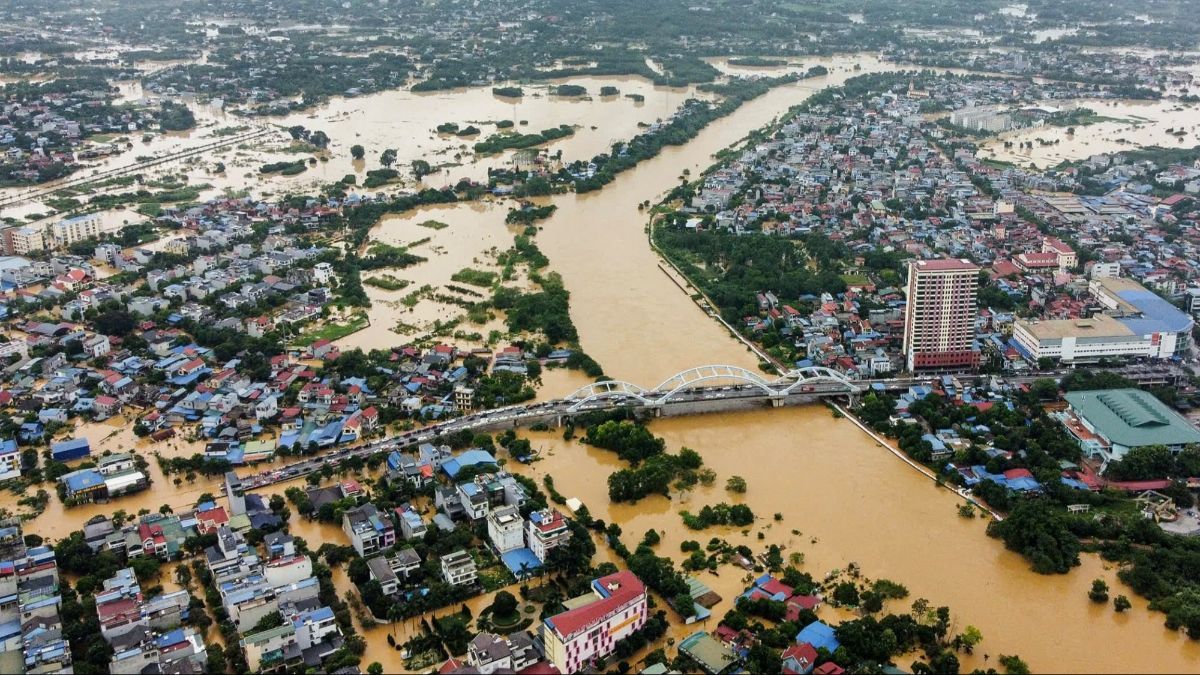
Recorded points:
(946, 265)
(1100, 325)
(712, 656)
(1132, 417)
(614, 590)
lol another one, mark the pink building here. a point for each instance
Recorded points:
(593, 624)
(939, 317)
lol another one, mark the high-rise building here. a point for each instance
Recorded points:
(939, 317)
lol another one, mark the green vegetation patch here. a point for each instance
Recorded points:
(334, 331)
(474, 277)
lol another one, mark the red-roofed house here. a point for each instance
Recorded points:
(1032, 262)
(370, 419)
(799, 659)
(107, 406)
(210, 520)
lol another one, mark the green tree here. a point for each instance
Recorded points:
(1121, 603)
(846, 593)
(736, 484)
(357, 151)
(376, 668)
(1099, 591)
(387, 158)
(683, 604)
(504, 605)
(1014, 665)
(1037, 532)
(969, 638)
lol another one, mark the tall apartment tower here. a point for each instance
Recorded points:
(939, 317)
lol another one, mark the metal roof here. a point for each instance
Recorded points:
(1132, 417)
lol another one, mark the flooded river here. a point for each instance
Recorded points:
(849, 499)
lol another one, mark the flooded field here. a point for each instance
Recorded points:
(1134, 124)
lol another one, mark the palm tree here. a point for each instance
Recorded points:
(394, 615)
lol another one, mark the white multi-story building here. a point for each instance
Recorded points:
(322, 273)
(67, 232)
(1081, 340)
(10, 460)
(1105, 269)
(504, 529)
(458, 568)
(546, 531)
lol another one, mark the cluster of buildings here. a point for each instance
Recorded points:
(43, 131)
(1128, 69)
(274, 601)
(240, 277)
(31, 626)
(876, 176)
(147, 631)
(114, 475)
(489, 497)
(36, 238)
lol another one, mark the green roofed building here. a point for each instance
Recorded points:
(1109, 422)
(709, 655)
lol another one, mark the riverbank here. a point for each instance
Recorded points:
(922, 469)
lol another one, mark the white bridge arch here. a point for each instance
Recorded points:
(802, 377)
(688, 379)
(621, 392)
(615, 390)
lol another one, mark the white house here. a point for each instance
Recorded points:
(504, 529)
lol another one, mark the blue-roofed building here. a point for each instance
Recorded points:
(83, 484)
(474, 457)
(314, 627)
(72, 449)
(937, 448)
(1019, 480)
(521, 562)
(394, 461)
(31, 432)
(48, 415)
(820, 635)
(10, 460)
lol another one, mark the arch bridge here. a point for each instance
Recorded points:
(706, 380)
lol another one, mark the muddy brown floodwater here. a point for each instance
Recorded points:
(1130, 124)
(849, 499)
(828, 479)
